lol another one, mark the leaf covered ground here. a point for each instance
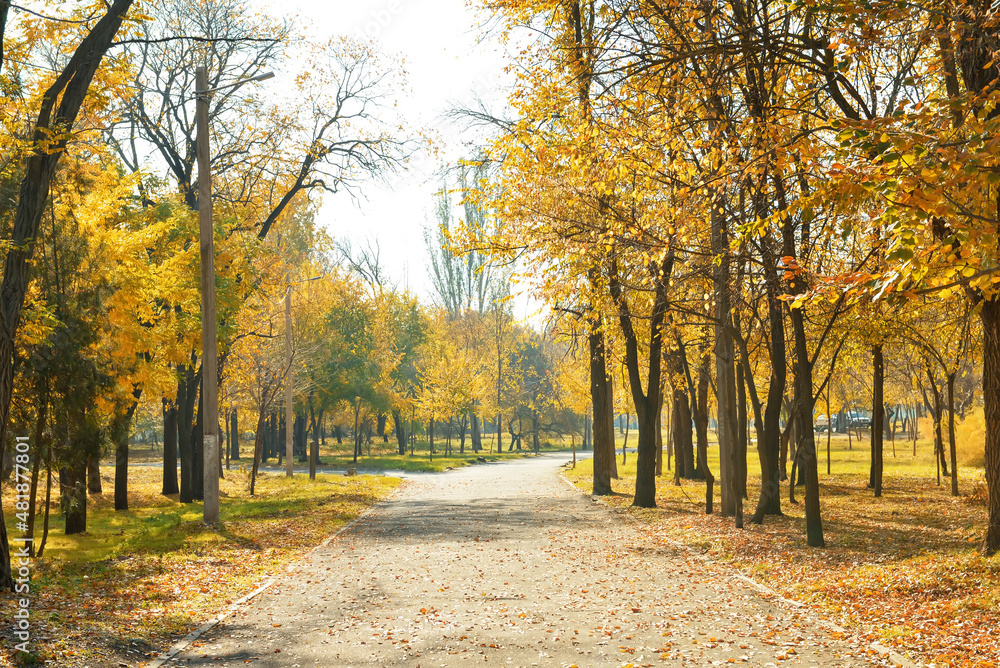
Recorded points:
(903, 569)
(139, 579)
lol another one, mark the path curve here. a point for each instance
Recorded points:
(505, 564)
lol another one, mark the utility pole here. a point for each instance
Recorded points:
(209, 363)
(211, 462)
(289, 412)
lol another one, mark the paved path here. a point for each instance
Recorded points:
(504, 564)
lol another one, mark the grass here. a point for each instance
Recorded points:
(138, 579)
(903, 569)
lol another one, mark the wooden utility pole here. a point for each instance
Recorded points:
(209, 365)
(289, 413)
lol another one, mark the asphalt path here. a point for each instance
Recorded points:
(505, 564)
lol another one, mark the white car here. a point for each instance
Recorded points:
(821, 423)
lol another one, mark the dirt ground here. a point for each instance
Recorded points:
(506, 564)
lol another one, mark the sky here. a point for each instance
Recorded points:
(448, 65)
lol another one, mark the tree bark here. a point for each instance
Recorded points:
(234, 439)
(397, 421)
(73, 496)
(120, 429)
(659, 432)
(742, 436)
(878, 408)
(197, 446)
(990, 316)
(601, 402)
(185, 415)
(814, 521)
(258, 447)
(725, 368)
(169, 449)
(768, 443)
(94, 474)
(477, 437)
(951, 433)
(682, 437)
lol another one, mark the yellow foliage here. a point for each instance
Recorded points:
(970, 436)
(970, 439)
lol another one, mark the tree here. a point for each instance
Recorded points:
(56, 117)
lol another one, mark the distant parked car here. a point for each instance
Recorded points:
(856, 420)
(821, 423)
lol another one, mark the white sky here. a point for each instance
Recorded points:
(447, 65)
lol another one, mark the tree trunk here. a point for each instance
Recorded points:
(185, 415)
(314, 443)
(725, 368)
(499, 433)
(357, 430)
(659, 432)
(878, 408)
(682, 437)
(601, 401)
(990, 316)
(742, 435)
(94, 474)
(534, 432)
(397, 421)
(380, 427)
(73, 496)
(814, 521)
(829, 429)
(258, 447)
(628, 423)
(120, 430)
(477, 437)
(701, 419)
(197, 448)
(768, 443)
(951, 433)
(938, 440)
(234, 439)
(48, 499)
(169, 449)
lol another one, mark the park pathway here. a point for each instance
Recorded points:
(505, 565)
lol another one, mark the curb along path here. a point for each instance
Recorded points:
(506, 564)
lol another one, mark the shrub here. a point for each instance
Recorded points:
(970, 439)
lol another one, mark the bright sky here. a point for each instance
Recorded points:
(447, 66)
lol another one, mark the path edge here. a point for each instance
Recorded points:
(187, 640)
(883, 651)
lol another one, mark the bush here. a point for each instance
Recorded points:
(970, 436)
(970, 439)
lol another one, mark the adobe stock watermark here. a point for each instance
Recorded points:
(379, 20)
(20, 559)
